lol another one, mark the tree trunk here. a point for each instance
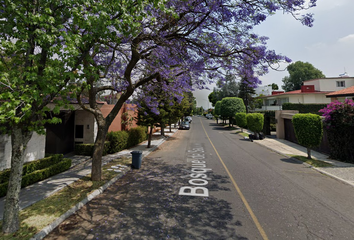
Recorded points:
(150, 135)
(309, 153)
(96, 170)
(19, 141)
(162, 130)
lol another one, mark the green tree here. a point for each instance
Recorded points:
(274, 86)
(230, 106)
(246, 93)
(308, 130)
(298, 73)
(217, 111)
(213, 98)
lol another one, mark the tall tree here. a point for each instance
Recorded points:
(298, 73)
(191, 46)
(230, 106)
(246, 93)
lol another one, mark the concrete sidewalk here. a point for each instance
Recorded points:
(81, 166)
(340, 170)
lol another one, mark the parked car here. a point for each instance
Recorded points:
(185, 125)
(189, 119)
(209, 116)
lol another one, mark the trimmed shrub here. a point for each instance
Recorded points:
(255, 122)
(117, 141)
(308, 130)
(39, 175)
(136, 136)
(304, 108)
(33, 166)
(87, 149)
(241, 120)
(45, 173)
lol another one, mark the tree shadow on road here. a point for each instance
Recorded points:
(144, 204)
(291, 160)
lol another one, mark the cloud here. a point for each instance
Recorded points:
(347, 39)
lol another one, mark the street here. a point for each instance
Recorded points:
(210, 183)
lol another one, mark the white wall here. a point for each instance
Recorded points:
(88, 121)
(35, 150)
(330, 84)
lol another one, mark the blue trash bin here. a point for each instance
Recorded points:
(136, 159)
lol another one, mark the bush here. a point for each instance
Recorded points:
(87, 149)
(255, 122)
(136, 136)
(33, 166)
(39, 175)
(308, 130)
(241, 120)
(339, 125)
(117, 141)
(304, 108)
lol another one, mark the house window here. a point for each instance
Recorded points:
(340, 83)
(79, 131)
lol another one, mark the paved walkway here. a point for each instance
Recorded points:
(81, 166)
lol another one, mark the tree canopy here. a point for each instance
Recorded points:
(298, 73)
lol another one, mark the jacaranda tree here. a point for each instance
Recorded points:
(197, 42)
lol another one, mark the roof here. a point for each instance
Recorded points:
(298, 92)
(330, 78)
(342, 93)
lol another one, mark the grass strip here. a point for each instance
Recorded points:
(37, 216)
(242, 133)
(312, 162)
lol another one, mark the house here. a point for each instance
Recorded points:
(312, 91)
(80, 126)
(77, 126)
(341, 95)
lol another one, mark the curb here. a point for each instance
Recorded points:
(310, 166)
(46, 230)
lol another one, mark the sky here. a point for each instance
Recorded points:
(328, 45)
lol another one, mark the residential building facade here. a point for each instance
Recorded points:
(313, 91)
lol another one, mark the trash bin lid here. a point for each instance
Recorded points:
(136, 152)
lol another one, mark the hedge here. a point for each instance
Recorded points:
(86, 149)
(117, 141)
(308, 130)
(30, 167)
(255, 122)
(241, 120)
(39, 175)
(304, 108)
(136, 136)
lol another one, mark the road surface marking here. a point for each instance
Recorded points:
(249, 209)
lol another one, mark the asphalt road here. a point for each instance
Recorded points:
(209, 183)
